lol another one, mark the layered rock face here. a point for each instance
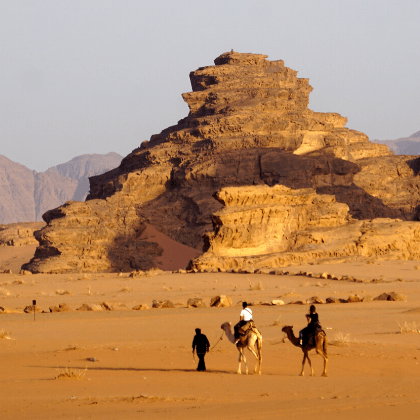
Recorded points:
(19, 234)
(26, 195)
(262, 227)
(249, 124)
(77, 238)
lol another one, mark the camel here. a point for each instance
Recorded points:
(250, 341)
(320, 347)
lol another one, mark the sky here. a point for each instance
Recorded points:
(95, 76)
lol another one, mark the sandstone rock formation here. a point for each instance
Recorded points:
(26, 195)
(249, 124)
(276, 226)
(19, 234)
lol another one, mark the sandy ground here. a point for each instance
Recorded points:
(143, 362)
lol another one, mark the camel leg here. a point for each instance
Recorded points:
(239, 360)
(258, 361)
(321, 353)
(305, 355)
(244, 358)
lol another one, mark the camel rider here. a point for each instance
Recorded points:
(245, 317)
(313, 325)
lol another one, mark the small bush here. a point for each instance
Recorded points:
(257, 286)
(409, 327)
(71, 373)
(5, 334)
(63, 292)
(340, 339)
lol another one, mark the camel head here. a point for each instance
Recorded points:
(225, 325)
(287, 328)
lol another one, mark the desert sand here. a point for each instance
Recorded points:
(143, 365)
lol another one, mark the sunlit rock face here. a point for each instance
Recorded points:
(268, 227)
(249, 124)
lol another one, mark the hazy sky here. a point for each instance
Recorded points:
(94, 76)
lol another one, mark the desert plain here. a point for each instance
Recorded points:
(139, 363)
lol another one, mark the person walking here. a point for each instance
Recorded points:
(201, 345)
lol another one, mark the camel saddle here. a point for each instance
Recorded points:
(310, 338)
(245, 329)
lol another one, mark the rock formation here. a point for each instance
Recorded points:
(26, 195)
(19, 234)
(263, 226)
(249, 124)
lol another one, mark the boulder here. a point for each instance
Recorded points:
(162, 304)
(114, 306)
(62, 307)
(354, 298)
(90, 307)
(221, 301)
(141, 307)
(315, 299)
(30, 309)
(367, 298)
(399, 297)
(196, 303)
(277, 302)
(332, 300)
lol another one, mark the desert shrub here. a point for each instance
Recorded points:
(409, 327)
(67, 373)
(340, 339)
(257, 286)
(5, 334)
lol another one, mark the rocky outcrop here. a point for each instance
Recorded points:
(262, 227)
(19, 234)
(78, 237)
(26, 195)
(249, 124)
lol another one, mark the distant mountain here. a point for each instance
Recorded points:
(26, 195)
(405, 145)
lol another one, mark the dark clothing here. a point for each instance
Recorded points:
(237, 328)
(201, 364)
(313, 324)
(312, 327)
(201, 345)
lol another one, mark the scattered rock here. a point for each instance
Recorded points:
(196, 303)
(398, 297)
(62, 307)
(332, 300)
(297, 302)
(354, 298)
(90, 307)
(25, 272)
(367, 298)
(114, 306)
(30, 309)
(162, 304)
(277, 302)
(141, 307)
(316, 299)
(221, 301)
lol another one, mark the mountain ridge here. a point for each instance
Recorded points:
(25, 194)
